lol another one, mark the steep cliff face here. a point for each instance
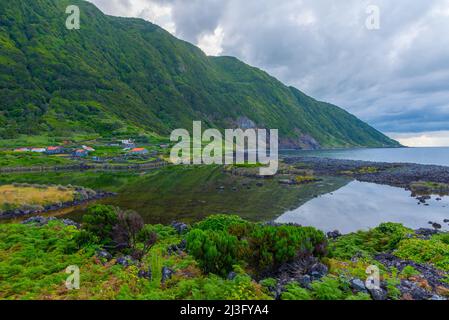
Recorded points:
(118, 75)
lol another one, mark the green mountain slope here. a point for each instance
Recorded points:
(116, 76)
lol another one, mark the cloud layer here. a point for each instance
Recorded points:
(396, 78)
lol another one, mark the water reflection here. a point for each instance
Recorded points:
(361, 205)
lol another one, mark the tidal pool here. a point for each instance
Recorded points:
(361, 205)
(190, 194)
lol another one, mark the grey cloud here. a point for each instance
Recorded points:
(396, 78)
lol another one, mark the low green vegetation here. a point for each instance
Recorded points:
(200, 259)
(432, 251)
(34, 259)
(29, 159)
(107, 181)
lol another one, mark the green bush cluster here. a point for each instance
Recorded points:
(99, 221)
(386, 237)
(216, 251)
(220, 241)
(270, 246)
(116, 230)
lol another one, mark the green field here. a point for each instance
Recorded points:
(29, 159)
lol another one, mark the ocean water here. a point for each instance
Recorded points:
(437, 156)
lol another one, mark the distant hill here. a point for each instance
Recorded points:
(117, 76)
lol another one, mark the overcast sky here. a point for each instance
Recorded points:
(396, 77)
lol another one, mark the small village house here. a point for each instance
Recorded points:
(38, 150)
(128, 144)
(138, 151)
(55, 150)
(88, 149)
(22, 150)
(80, 153)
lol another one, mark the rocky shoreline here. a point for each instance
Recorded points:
(393, 174)
(428, 284)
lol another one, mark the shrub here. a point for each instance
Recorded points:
(386, 237)
(148, 239)
(162, 232)
(125, 231)
(271, 246)
(220, 222)
(100, 221)
(117, 229)
(269, 283)
(295, 292)
(443, 237)
(392, 285)
(85, 238)
(216, 251)
(409, 271)
(327, 289)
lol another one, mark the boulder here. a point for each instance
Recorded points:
(231, 275)
(180, 227)
(103, 254)
(436, 297)
(69, 222)
(167, 273)
(305, 281)
(318, 271)
(378, 294)
(125, 261)
(412, 291)
(183, 245)
(436, 226)
(357, 285)
(145, 274)
(36, 220)
(426, 233)
(334, 234)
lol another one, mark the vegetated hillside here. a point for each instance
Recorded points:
(119, 76)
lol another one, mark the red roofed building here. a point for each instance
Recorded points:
(55, 150)
(138, 151)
